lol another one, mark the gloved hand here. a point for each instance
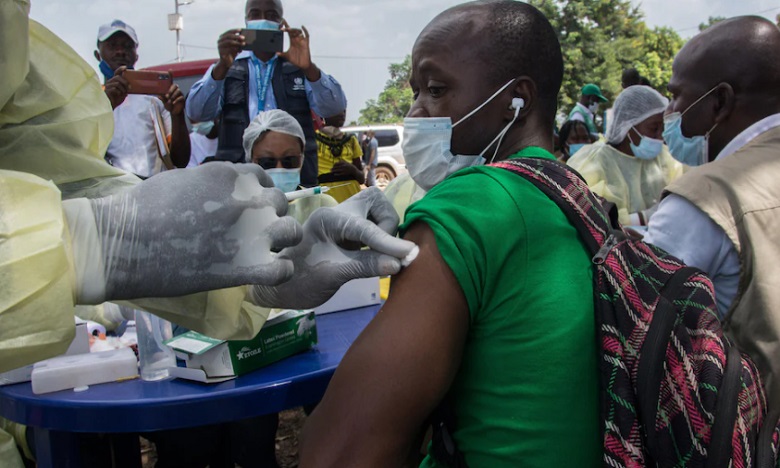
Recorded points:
(322, 264)
(180, 232)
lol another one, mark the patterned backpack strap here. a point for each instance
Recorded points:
(586, 211)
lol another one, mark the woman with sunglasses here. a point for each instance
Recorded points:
(275, 141)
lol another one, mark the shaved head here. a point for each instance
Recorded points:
(726, 79)
(516, 39)
(742, 51)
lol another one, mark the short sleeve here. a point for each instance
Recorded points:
(471, 239)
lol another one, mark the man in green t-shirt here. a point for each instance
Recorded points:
(496, 311)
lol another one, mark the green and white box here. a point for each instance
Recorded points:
(286, 332)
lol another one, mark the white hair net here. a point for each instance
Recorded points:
(633, 106)
(271, 121)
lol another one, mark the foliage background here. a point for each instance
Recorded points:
(599, 38)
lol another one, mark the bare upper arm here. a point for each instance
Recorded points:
(396, 372)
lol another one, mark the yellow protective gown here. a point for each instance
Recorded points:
(402, 192)
(631, 183)
(55, 126)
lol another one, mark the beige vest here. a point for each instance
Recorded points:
(741, 193)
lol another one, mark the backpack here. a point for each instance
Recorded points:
(674, 390)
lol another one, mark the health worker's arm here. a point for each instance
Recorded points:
(204, 101)
(37, 296)
(396, 372)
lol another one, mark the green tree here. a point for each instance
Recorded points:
(394, 101)
(599, 38)
(710, 21)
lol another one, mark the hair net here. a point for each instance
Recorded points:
(634, 105)
(271, 121)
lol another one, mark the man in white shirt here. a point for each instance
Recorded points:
(147, 129)
(724, 217)
(203, 140)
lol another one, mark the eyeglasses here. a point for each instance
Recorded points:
(288, 162)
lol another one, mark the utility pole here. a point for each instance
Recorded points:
(176, 23)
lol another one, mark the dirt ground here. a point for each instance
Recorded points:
(290, 425)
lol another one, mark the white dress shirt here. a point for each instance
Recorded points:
(686, 232)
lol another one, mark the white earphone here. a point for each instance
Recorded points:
(517, 103)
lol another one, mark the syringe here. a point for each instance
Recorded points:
(309, 192)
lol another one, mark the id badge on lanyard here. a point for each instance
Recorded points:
(263, 80)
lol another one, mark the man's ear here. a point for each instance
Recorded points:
(725, 102)
(524, 89)
(97, 55)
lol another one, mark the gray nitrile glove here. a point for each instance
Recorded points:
(322, 266)
(180, 232)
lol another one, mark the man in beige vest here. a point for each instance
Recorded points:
(724, 217)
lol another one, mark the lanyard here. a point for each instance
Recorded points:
(264, 81)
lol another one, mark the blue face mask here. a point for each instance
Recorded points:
(203, 128)
(648, 148)
(263, 25)
(574, 147)
(286, 180)
(106, 70)
(691, 151)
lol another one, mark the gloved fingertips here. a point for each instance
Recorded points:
(276, 199)
(250, 168)
(388, 265)
(272, 274)
(285, 232)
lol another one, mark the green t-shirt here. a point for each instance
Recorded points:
(527, 391)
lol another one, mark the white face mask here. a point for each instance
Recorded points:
(427, 140)
(593, 107)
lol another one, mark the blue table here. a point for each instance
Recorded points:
(138, 406)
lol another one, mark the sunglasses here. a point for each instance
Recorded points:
(288, 162)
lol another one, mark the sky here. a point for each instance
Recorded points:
(352, 40)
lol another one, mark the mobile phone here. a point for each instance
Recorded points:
(263, 40)
(148, 82)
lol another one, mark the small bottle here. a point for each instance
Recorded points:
(153, 356)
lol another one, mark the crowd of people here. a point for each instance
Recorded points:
(493, 309)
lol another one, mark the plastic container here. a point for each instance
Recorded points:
(81, 370)
(154, 357)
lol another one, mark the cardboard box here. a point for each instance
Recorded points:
(208, 360)
(79, 345)
(361, 292)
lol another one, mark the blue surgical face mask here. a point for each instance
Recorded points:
(107, 71)
(648, 148)
(574, 147)
(692, 151)
(262, 25)
(426, 146)
(286, 180)
(203, 128)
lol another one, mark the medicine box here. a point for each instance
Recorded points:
(286, 332)
(360, 292)
(79, 345)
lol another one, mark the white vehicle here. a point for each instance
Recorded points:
(390, 158)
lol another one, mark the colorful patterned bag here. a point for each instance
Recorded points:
(675, 391)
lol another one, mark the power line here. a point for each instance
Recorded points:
(337, 57)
